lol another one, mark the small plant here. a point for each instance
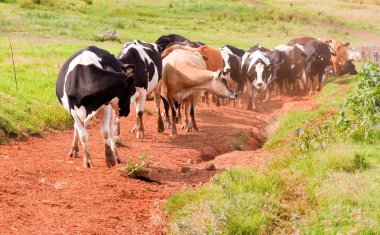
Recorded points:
(119, 24)
(360, 162)
(242, 135)
(119, 143)
(147, 111)
(132, 168)
(237, 145)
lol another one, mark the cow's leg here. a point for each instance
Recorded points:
(174, 115)
(140, 104)
(206, 95)
(250, 96)
(218, 102)
(311, 85)
(83, 136)
(178, 119)
(166, 109)
(186, 124)
(135, 99)
(319, 81)
(112, 136)
(74, 147)
(192, 114)
(157, 101)
(117, 128)
(106, 133)
(336, 69)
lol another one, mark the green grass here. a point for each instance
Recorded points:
(334, 92)
(329, 191)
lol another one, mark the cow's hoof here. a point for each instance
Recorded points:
(87, 162)
(140, 135)
(189, 128)
(161, 126)
(134, 129)
(218, 104)
(319, 88)
(118, 160)
(110, 158)
(73, 153)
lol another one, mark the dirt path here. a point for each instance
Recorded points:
(43, 191)
(367, 37)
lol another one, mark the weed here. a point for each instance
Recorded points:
(133, 168)
(147, 111)
(237, 145)
(243, 135)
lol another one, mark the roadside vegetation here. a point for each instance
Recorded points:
(324, 178)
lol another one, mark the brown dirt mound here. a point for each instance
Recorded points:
(43, 191)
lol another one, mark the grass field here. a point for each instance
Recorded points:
(320, 184)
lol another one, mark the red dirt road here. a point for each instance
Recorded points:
(43, 191)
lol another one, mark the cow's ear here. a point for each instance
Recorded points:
(346, 44)
(203, 49)
(205, 58)
(128, 68)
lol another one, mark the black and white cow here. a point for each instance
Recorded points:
(297, 64)
(281, 69)
(166, 40)
(148, 72)
(232, 57)
(90, 80)
(318, 56)
(258, 47)
(257, 69)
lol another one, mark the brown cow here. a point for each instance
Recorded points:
(212, 56)
(184, 72)
(341, 57)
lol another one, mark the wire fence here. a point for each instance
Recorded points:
(370, 54)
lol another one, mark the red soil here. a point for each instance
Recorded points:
(43, 191)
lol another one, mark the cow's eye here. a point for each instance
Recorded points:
(224, 81)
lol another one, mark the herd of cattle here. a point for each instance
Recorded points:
(178, 71)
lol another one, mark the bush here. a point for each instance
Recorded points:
(357, 119)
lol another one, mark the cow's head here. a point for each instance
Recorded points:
(278, 60)
(129, 89)
(260, 74)
(316, 62)
(348, 68)
(220, 85)
(341, 50)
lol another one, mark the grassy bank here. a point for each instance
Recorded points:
(324, 181)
